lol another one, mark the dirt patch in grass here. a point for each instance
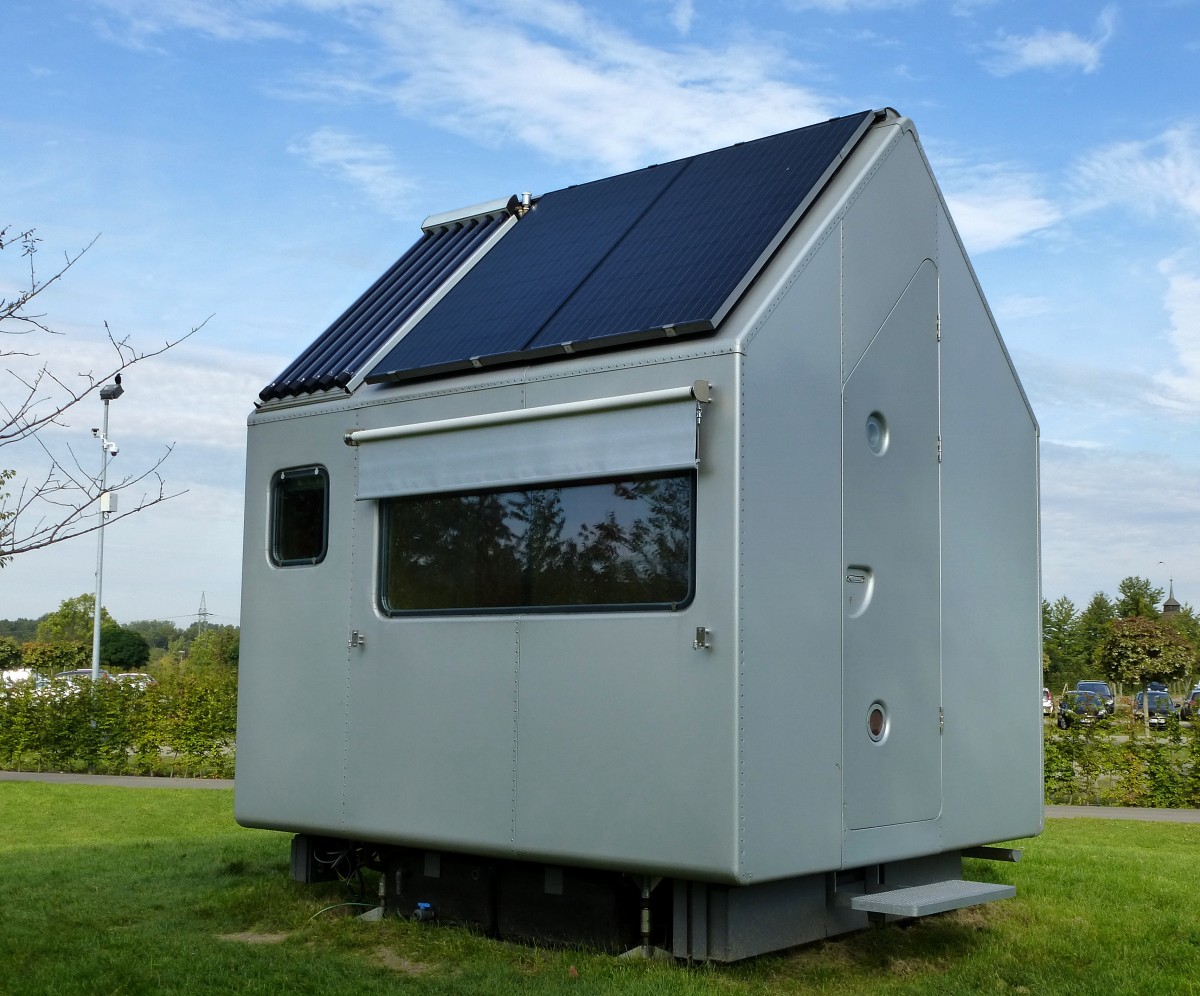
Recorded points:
(389, 959)
(251, 937)
(979, 917)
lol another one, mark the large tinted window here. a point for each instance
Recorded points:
(605, 543)
(299, 516)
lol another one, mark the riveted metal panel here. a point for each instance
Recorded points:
(891, 546)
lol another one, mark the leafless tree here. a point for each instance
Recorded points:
(62, 501)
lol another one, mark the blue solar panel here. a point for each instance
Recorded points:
(664, 250)
(691, 250)
(517, 287)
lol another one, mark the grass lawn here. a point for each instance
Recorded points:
(125, 891)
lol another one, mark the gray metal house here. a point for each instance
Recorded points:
(655, 561)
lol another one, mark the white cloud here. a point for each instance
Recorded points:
(238, 20)
(1046, 49)
(1069, 394)
(847, 6)
(1162, 174)
(1108, 515)
(367, 166)
(965, 8)
(683, 12)
(995, 206)
(559, 76)
(1016, 307)
(1182, 303)
(211, 393)
(565, 82)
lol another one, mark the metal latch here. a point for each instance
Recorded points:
(357, 639)
(703, 640)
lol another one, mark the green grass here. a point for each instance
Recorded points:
(125, 891)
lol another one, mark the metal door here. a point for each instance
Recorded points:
(891, 616)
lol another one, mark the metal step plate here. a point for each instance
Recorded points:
(937, 897)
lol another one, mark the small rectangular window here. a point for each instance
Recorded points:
(299, 516)
(624, 543)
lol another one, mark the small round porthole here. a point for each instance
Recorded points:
(877, 433)
(877, 722)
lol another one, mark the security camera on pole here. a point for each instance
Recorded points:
(107, 503)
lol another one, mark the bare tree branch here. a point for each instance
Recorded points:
(63, 502)
(14, 310)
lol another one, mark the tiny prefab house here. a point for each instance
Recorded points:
(655, 561)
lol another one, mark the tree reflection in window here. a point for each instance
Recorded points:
(601, 543)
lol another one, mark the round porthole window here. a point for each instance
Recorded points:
(877, 722)
(877, 433)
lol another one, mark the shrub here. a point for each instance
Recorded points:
(186, 723)
(1088, 765)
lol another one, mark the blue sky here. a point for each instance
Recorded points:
(263, 161)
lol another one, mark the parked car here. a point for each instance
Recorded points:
(66, 683)
(1191, 705)
(139, 679)
(18, 675)
(81, 673)
(1161, 708)
(1103, 689)
(1047, 702)
(1082, 707)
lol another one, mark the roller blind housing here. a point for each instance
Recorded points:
(626, 435)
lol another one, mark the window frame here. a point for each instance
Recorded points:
(278, 479)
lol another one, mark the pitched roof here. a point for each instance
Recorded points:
(642, 256)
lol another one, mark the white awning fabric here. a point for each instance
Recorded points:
(629, 434)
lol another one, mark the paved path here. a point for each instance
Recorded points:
(137, 781)
(129, 781)
(1117, 813)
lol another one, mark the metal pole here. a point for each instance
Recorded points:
(100, 549)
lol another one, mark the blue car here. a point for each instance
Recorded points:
(1081, 707)
(1103, 689)
(1162, 707)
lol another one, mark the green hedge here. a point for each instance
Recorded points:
(183, 725)
(1114, 763)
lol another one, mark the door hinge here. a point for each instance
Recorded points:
(941, 720)
(937, 328)
(939, 449)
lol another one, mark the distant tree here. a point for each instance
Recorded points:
(1139, 650)
(121, 649)
(158, 633)
(47, 658)
(1187, 624)
(10, 653)
(1092, 627)
(215, 646)
(1061, 642)
(20, 629)
(1138, 597)
(62, 500)
(72, 621)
